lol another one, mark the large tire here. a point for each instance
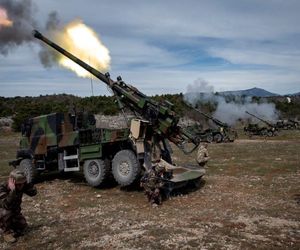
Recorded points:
(218, 138)
(95, 171)
(209, 138)
(125, 167)
(29, 170)
(270, 133)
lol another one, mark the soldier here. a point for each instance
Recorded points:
(202, 155)
(153, 182)
(12, 222)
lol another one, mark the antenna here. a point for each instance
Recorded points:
(92, 86)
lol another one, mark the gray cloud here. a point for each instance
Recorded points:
(21, 13)
(144, 41)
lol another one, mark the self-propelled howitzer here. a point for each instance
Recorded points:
(163, 120)
(224, 133)
(254, 129)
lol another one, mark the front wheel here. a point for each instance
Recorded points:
(209, 138)
(218, 138)
(29, 170)
(95, 171)
(125, 167)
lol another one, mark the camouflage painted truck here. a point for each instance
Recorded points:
(66, 142)
(127, 156)
(254, 129)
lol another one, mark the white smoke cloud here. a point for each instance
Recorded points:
(200, 90)
(229, 111)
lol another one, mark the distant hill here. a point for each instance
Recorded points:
(250, 92)
(296, 94)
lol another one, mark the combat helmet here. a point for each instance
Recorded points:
(18, 176)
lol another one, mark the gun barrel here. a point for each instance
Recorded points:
(266, 122)
(163, 119)
(90, 69)
(216, 121)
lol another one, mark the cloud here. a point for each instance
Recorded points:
(162, 46)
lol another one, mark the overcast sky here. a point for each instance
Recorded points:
(164, 46)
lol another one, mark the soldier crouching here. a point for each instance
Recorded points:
(202, 155)
(153, 182)
(12, 222)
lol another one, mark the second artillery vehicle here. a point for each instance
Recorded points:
(223, 132)
(254, 129)
(124, 153)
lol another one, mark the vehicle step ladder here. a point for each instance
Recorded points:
(40, 165)
(67, 158)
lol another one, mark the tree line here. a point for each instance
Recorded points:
(22, 108)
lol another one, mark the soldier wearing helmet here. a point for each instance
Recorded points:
(202, 155)
(153, 179)
(12, 222)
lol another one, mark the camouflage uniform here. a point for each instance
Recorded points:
(202, 155)
(11, 218)
(152, 182)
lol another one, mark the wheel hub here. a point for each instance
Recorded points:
(124, 168)
(93, 169)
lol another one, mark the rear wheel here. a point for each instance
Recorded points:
(264, 132)
(29, 170)
(125, 167)
(95, 171)
(270, 133)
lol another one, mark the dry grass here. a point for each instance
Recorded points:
(248, 200)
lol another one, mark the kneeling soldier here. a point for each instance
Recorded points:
(12, 222)
(202, 155)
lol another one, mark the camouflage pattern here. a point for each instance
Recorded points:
(11, 218)
(202, 155)
(162, 117)
(161, 123)
(153, 182)
(45, 137)
(18, 176)
(63, 130)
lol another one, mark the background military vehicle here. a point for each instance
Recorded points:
(255, 129)
(287, 124)
(221, 133)
(125, 153)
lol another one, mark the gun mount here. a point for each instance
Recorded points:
(161, 117)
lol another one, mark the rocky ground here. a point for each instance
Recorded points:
(250, 198)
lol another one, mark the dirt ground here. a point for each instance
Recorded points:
(249, 198)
